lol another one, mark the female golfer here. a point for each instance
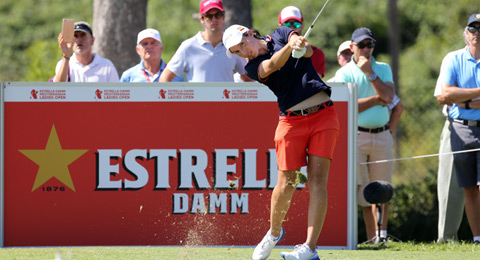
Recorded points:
(308, 126)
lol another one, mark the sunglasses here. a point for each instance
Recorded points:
(294, 24)
(472, 29)
(363, 45)
(217, 15)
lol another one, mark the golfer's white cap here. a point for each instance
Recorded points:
(344, 46)
(233, 36)
(149, 33)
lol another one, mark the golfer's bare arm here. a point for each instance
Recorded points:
(279, 59)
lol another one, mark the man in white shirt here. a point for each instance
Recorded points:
(83, 66)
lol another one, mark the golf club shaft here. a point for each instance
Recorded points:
(313, 23)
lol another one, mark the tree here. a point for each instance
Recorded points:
(115, 27)
(394, 39)
(238, 12)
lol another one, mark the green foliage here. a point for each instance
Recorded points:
(40, 55)
(428, 29)
(175, 21)
(413, 212)
(24, 23)
(413, 208)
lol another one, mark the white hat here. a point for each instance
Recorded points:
(290, 12)
(148, 33)
(344, 46)
(233, 36)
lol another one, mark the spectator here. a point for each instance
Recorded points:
(149, 48)
(375, 91)
(301, 103)
(83, 66)
(344, 54)
(461, 87)
(202, 58)
(292, 17)
(451, 200)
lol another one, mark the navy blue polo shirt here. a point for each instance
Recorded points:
(296, 81)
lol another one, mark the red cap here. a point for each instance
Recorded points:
(206, 5)
(290, 12)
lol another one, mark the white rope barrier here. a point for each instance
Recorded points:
(421, 156)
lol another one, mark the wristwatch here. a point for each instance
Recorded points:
(372, 77)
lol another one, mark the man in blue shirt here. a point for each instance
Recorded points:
(149, 48)
(374, 139)
(461, 86)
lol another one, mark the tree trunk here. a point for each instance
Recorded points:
(115, 28)
(238, 12)
(394, 39)
(394, 49)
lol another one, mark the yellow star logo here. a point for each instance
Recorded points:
(53, 161)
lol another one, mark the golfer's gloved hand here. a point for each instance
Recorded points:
(298, 52)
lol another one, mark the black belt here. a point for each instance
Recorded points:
(309, 110)
(374, 130)
(467, 122)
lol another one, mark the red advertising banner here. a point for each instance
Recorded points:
(116, 165)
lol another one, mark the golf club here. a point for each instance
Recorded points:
(314, 21)
(298, 52)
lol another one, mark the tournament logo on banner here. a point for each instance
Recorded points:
(151, 173)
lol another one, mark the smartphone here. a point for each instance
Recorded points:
(67, 30)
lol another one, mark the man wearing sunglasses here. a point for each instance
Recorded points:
(292, 17)
(461, 87)
(202, 58)
(374, 139)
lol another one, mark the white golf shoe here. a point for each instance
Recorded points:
(301, 252)
(263, 250)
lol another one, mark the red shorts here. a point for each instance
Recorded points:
(297, 136)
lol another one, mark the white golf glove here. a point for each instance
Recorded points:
(298, 52)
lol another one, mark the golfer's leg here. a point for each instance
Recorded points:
(318, 168)
(280, 201)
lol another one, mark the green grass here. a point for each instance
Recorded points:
(393, 250)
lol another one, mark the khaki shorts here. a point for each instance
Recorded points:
(373, 147)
